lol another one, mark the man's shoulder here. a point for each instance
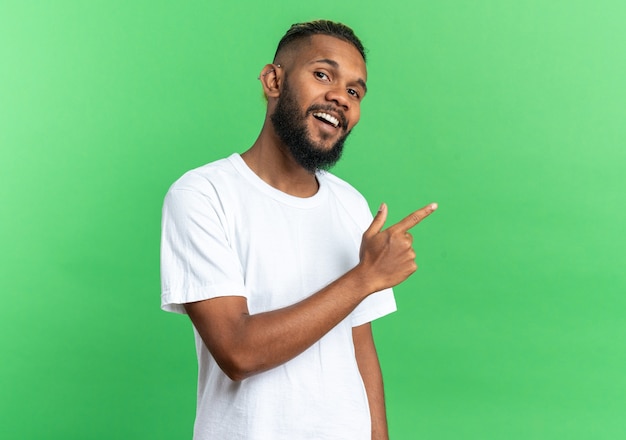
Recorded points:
(207, 176)
(341, 188)
(353, 202)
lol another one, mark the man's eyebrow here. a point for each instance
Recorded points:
(335, 64)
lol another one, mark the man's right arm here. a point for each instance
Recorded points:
(244, 344)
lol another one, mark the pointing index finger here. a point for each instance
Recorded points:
(415, 217)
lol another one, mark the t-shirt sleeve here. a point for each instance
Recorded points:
(197, 260)
(375, 306)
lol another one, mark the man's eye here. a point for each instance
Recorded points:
(354, 93)
(321, 75)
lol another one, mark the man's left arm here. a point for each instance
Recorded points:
(369, 367)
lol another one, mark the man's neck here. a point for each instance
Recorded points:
(271, 160)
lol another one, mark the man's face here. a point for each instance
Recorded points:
(319, 102)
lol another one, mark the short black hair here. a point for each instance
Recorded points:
(299, 31)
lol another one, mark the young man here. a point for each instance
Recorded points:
(280, 266)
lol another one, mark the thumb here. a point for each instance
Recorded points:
(378, 222)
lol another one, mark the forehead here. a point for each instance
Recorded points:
(325, 47)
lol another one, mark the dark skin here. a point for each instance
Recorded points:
(323, 70)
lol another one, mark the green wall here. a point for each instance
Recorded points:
(511, 115)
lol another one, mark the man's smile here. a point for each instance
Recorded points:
(330, 117)
(327, 118)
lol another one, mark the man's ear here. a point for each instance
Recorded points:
(271, 80)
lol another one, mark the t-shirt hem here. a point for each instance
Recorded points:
(174, 301)
(373, 313)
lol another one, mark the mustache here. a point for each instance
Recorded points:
(330, 108)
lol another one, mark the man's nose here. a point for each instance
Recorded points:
(339, 95)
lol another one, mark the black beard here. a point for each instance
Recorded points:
(290, 126)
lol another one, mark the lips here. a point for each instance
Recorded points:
(329, 115)
(327, 118)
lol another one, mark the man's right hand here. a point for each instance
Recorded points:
(387, 256)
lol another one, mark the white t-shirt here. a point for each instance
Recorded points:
(226, 232)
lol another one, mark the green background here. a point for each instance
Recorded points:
(511, 115)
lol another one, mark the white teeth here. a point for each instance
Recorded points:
(327, 117)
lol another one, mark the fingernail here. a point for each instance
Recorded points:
(433, 206)
(381, 207)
